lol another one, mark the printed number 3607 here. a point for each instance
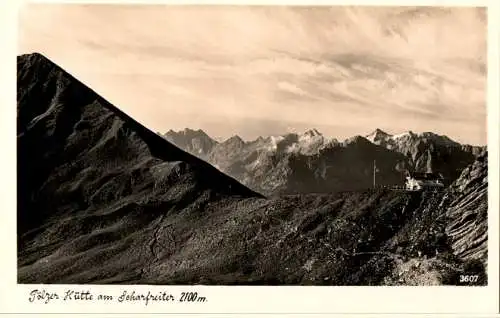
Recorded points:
(469, 278)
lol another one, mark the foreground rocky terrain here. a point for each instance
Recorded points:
(101, 200)
(467, 211)
(310, 162)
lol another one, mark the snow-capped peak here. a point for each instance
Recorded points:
(397, 141)
(311, 137)
(312, 133)
(308, 143)
(355, 140)
(235, 140)
(378, 135)
(408, 133)
(273, 142)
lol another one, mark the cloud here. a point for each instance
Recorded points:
(397, 68)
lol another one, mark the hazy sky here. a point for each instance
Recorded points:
(269, 70)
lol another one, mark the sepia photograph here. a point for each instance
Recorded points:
(246, 145)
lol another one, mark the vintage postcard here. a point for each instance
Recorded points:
(173, 157)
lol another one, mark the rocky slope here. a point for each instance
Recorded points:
(102, 200)
(467, 211)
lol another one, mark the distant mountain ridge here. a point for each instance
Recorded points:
(429, 152)
(196, 142)
(273, 164)
(397, 142)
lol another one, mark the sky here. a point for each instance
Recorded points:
(259, 71)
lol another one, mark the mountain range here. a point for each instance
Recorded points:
(310, 162)
(101, 199)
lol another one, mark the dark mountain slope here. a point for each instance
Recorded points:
(348, 167)
(102, 200)
(78, 154)
(340, 167)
